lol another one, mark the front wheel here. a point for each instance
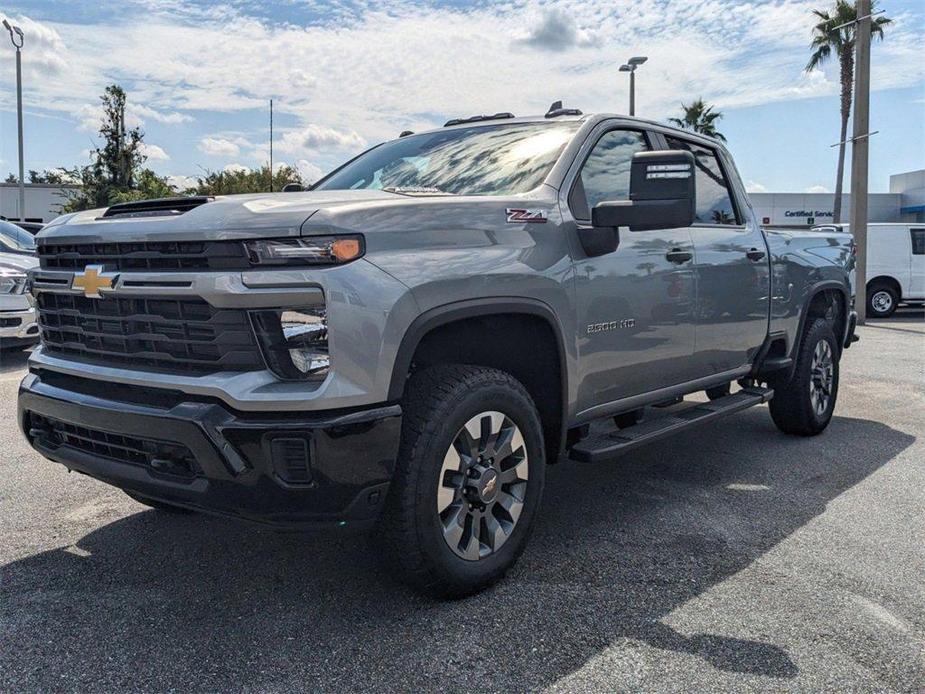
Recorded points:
(468, 479)
(803, 406)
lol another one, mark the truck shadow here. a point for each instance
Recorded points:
(156, 601)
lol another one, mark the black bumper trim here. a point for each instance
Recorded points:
(352, 455)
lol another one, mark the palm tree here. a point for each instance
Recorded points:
(829, 41)
(700, 118)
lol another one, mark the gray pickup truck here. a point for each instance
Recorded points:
(411, 342)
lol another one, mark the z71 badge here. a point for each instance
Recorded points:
(517, 215)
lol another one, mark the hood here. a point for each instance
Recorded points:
(18, 261)
(261, 215)
(278, 215)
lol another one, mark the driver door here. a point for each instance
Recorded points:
(635, 305)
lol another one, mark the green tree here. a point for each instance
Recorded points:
(54, 177)
(47, 177)
(700, 118)
(232, 181)
(833, 37)
(116, 171)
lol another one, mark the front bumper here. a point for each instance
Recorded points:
(287, 470)
(18, 327)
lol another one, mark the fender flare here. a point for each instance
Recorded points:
(473, 308)
(460, 310)
(815, 290)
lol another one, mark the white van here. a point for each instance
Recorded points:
(895, 265)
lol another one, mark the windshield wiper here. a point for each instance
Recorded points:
(416, 190)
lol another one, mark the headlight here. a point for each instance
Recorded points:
(311, 250)
(294, 342)
(12, 281)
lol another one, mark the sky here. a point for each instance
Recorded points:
(347, 74)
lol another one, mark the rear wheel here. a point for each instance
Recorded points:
(468, 479)
(804, 405)
(882, 300)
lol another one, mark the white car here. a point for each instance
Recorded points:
(895, 265)
(18, 328)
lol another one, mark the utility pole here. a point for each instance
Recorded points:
(16, 37)
(859, 153)
(271, 145)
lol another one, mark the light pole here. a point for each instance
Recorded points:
(630, 67)
(17, 38)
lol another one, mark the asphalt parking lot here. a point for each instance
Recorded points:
(729, 557)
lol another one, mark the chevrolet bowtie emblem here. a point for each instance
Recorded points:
(91, 280)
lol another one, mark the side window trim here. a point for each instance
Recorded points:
(651, 144)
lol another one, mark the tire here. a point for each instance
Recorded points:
(803, 406)
(717, 392)
(432, 506)
(882, 300)
(157, 505)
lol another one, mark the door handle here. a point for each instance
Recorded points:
(754, 254)
(676, 255)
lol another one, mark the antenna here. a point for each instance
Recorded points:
(271, 145)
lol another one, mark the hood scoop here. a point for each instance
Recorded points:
(162, 207)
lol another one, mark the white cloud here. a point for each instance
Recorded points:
(154, 152)
(90, 118)
(170, 118)
(218, 147)
(181, 182)
(309, 172)
(232, 168)
(755, 187)
(556, 30)
(817, 189)
(316, 137)
(43, 53)
(377, 69)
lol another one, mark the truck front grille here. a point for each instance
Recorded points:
(161, 456)
(161, 334)
(157, 256)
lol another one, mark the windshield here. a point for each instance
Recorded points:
(15, 240)
(478, 160)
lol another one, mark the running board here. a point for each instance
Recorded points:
(609, 444)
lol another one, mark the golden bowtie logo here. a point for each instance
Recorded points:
(91, 280)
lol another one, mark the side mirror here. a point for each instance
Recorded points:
(662, 194)
(293, 188)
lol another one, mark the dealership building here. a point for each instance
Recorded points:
(904, 203)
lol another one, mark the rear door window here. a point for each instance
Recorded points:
(714, 196)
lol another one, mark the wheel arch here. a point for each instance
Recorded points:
(888, 280)
(819, 299)
(443, 320)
